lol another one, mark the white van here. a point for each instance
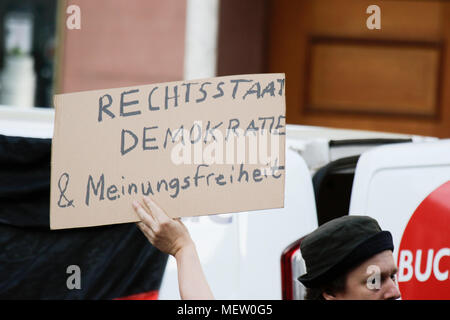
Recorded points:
(330, 173)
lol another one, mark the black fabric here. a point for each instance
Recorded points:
(115, 261)
(24, 181)
(339, 245)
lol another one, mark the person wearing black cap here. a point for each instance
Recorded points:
(346, 258)
(349, 258)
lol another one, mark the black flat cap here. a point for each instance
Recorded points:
(339, 245)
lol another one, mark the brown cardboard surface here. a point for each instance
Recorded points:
(115, 145)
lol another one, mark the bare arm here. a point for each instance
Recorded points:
(172, 237)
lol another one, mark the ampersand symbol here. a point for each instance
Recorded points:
(64, 179)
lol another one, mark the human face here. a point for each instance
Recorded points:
(374, 279)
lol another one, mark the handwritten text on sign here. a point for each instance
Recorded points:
(197, 147)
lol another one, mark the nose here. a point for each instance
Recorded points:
(392, 292)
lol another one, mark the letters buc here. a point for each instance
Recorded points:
(409, 267)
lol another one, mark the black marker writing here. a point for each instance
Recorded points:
(63, 182)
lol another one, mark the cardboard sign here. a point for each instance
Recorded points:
(196, 147)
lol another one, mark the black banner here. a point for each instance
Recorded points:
(105, 262)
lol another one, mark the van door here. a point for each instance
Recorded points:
(406, 187)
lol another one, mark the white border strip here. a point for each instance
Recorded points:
(202, 22)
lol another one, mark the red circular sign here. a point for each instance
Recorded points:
(424, 253)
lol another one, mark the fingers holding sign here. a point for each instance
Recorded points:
(166, 234)
(172, 237)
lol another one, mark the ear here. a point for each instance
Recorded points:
(328, 296)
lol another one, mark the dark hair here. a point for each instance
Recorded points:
(333, 287)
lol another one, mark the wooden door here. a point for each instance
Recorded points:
(341, 74)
